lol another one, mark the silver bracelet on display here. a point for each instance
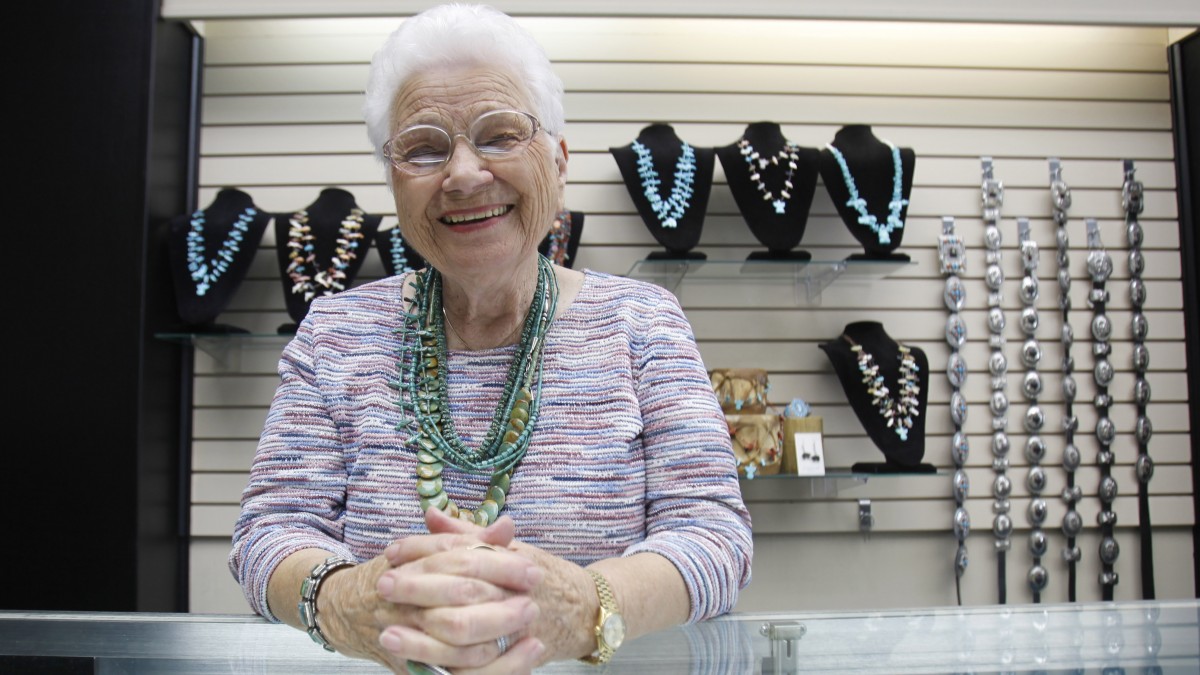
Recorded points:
(952, 257)
(1100, 267)
(1072, 522)
(308, 596)
(1132, 201)
(1002, 525)
(1035, 418)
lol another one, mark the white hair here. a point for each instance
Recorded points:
(459, 35)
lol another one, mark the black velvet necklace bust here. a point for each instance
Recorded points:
(779, 232)
(666, 148)
(903, 456)
(385, 242)
(198, 311)
(871, 165)
(325, 217)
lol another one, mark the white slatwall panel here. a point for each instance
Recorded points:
(281, 121)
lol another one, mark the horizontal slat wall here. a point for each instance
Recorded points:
(281, 121)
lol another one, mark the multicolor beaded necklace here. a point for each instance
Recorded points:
(669, 211)
(789, 155)
(303, 255)
(898, 412)
(423, 391)
(856, 202)
(206, 273)
(560, 237)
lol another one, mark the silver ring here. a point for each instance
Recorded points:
(502, 643)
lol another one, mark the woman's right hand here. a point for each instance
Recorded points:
(467, 597)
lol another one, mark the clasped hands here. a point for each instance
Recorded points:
(435, 599)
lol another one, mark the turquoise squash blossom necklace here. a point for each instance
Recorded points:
(669, 211)
(423, 391)
(205, 273)
(882, 231)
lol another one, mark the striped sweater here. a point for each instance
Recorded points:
(630, 454)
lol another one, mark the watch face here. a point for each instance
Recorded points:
(613, 631)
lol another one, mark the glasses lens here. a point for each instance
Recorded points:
(502, 132)
(420, 148)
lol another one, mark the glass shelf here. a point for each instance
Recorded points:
(809, 277)
(226, 349)
(828, 485)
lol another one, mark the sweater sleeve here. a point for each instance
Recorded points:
(695, 516)
(296, 495)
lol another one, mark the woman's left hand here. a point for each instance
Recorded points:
(565, 597)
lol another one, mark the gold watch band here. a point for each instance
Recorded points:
(608, 615)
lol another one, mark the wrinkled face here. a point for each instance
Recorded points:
(475, 215)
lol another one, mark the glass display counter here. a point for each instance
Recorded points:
(1134, 637)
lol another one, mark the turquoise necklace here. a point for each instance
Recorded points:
(423, 391)
(399, 260)
(882, 231)
(205, 273)
(669, 211)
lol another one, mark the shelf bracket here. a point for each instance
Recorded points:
(866, 521)
(785, 639)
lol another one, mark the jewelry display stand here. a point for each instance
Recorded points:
(397, 256)
(670, 182)
(210, 252)
(903, 441)
(869, 189)
(773, 182)
(333, 216)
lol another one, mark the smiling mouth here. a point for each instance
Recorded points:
(468, 218)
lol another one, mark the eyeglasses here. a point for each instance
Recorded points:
(497, 135)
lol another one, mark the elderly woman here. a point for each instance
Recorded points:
(493, 462)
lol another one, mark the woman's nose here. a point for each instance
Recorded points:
(465, 170)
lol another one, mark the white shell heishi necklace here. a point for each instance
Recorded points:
(303, 255)
(899, 411)
(788, 157)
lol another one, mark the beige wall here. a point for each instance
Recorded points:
(281, 121)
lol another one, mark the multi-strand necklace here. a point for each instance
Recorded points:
(399, 254)
(560, 238)
(671, 210)
(788, 158)
(882, 230)
(1072, 522)
(424, 392)
(1132, 201)
(303, 255)
(898, 412)
(953, 258)
(206, 273)
(1100, 267)
(992, 192)
(1035, 418)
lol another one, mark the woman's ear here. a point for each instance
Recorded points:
(560, 159)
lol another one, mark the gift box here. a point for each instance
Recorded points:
(740, 391)
(757, 443)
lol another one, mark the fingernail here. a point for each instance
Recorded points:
(530, 613)
(390, 641)
(385, 585)
(537, 650)
(534, 576)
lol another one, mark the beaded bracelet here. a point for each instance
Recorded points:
(952, 255)
(308, 596)
(1002, 525)
(1131, 200)
(1035, 419)
(1100, 267)
(1072, 522)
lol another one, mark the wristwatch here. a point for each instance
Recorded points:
(610, 625)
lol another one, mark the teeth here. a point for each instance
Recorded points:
(490, 213)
